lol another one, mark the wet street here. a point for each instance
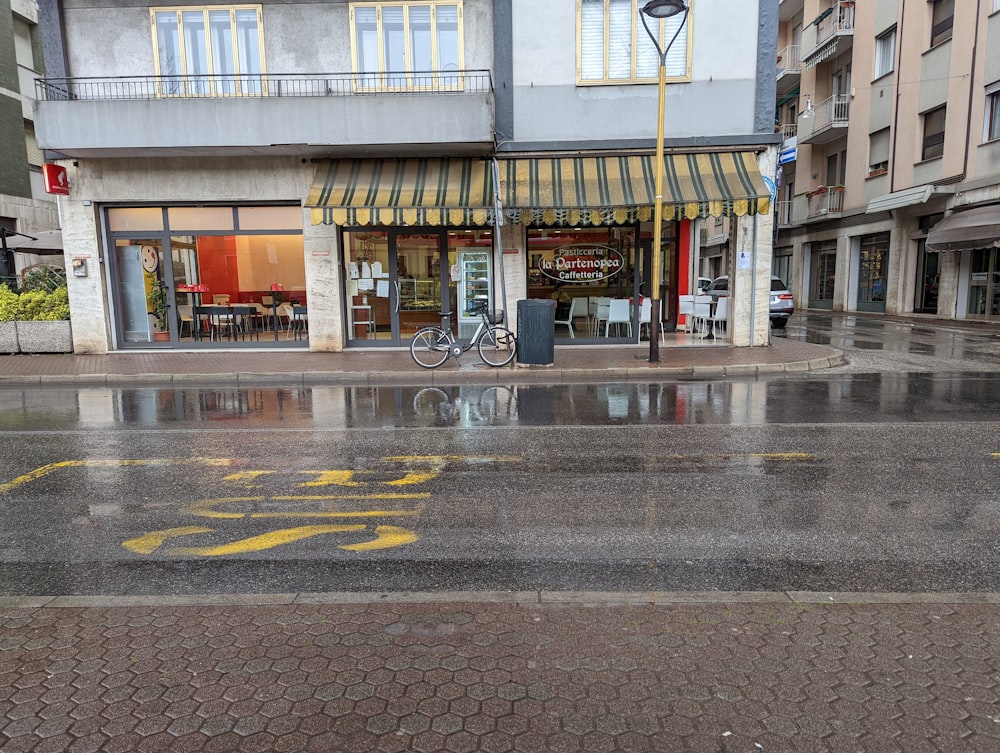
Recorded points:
(875, 476)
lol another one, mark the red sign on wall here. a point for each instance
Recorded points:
(56, 180)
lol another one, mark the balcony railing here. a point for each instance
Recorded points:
(789, 131)
(788, 61)
(836, 20)
(264, 85)
(783, 213)
(825, 201)
(822, 122)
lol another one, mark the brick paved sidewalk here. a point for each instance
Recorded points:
(755, 673)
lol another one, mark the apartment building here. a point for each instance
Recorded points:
(889, 175)
(25, 208)
(333, 175)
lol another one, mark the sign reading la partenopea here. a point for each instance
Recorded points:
(582, 263)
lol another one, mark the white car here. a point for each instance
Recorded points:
(782, 300)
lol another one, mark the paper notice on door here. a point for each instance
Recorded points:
(383, 289)
(365, 283)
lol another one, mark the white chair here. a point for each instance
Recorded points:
(577, 308)
(646, 318)
(284, 312)
(721, 315)
(185, 315)
(619, 312)
(600, 313)
(702, 312)
(685, 308)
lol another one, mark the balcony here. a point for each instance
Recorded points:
(830, 33)
(825, 122)
(789, 68)
(824, 202)
(425, 112)
(783, 213)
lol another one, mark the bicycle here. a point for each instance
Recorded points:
(431, 346)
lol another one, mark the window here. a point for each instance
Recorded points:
(933, 134)
(208, 52)
(996, 6)
(993, 111)
(407, 38)
(885, 53)
(942, 19)
(878, 153)
(613, 45)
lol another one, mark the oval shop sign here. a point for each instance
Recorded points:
(582, 263)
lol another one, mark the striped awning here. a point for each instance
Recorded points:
(539, 191)
(617, 190)
(445, 191)
(822, 53)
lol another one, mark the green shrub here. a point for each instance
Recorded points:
(34, 305)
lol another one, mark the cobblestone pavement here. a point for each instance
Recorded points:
(770, 673)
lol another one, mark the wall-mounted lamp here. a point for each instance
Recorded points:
(808, 112)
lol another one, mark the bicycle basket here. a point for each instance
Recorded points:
(495, 317)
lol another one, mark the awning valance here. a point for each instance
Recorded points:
(542, 191)
(444, 191)
(825, 52)
(973, 228)
(616, 190)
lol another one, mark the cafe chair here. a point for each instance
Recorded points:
(646, 318)
(685, 308)
(577, 308)
(300, 322)
(619, 313)
(244, 321)
(721, 315)
(600, 313)
(221, 323)
(185, 316)
(702, 312)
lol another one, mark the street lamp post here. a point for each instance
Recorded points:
(658, 9)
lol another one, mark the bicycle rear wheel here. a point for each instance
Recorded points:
(497, 346)
(430, 347)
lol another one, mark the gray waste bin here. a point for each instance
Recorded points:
(536, 330)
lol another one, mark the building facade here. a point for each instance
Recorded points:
(889, 178)
(333, 175)
(25, 208)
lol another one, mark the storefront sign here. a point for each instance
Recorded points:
(55, 179)
(583, 263)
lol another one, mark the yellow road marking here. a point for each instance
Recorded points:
(246, 475)
(150, 542)
(786, 456)
(347, 478)
(386, 537)
(440, 461)
(206, 508)
(45, 470)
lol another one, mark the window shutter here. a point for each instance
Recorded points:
(592, 40)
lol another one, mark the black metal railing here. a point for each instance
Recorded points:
(264, 85)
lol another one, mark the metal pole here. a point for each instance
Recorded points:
(654, 289)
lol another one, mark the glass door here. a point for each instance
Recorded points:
(928, 274)
(823, 273)
(142, 290)
(984, 285)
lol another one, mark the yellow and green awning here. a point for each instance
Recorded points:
(445, 191)
(540, 191)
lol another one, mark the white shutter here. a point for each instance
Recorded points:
(592, 40)
(620, 39)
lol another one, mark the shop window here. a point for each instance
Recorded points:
(200, 218)
(270, 218)
(208, 52)
(933, 143)
(613, 46)
(993, 112)
(125, 219)
(942, 21)
(885, 53)
(419, 39)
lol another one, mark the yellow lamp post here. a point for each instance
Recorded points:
(659, 9)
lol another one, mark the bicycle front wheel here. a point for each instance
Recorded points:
(497, 346)
(430, 347)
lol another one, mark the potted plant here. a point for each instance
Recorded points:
(160, 307)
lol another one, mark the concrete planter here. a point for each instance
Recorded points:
(8, 337)
(44, 337)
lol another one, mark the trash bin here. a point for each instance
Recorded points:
(536, 330)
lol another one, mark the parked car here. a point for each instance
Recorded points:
(782, 300)
(703, 283)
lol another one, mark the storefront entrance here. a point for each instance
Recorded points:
(928, 277)
(823, 275)
(208, 276)
(984, 285)
(399, 280)
(873, 271)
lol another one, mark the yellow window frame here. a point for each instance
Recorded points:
(213, 89)
(376, 80)
(638, 33)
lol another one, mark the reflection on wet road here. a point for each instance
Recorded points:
(864, 398)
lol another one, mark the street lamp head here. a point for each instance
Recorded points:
(664, 8)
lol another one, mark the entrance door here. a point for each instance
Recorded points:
(984, 285)
(401, 280)
(143, 291)
(928, 273)
(873, 272)
(823, 274)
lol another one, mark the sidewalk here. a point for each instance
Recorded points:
(627, 363)
(528, 672)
